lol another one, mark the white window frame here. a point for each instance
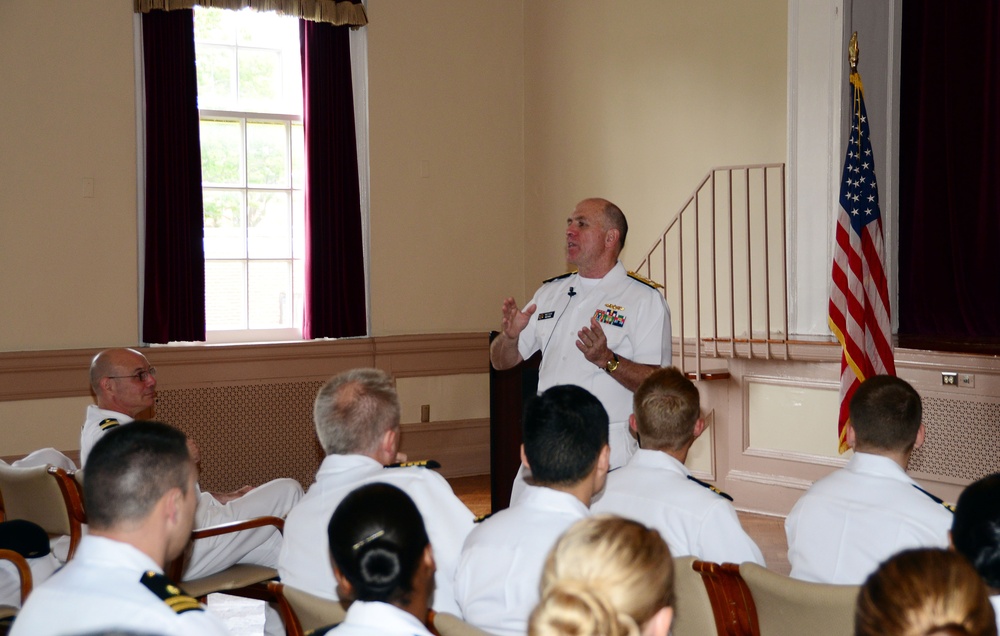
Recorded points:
(359, 77)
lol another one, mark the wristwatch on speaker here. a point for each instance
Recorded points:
(612, 363)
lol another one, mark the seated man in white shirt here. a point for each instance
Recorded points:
(356, 415)
(657, 490)
(975, 532)
(140, 497)
(850, 521)
(124, 384)
(566, 448)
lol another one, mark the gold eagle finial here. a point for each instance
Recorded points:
(852, 52)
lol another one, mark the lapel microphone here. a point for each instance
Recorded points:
(571, 293)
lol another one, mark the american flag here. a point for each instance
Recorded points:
(859, 297)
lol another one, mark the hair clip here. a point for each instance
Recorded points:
(368, 539)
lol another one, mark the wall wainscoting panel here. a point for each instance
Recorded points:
(252, 433)
(248, 434)
(962, 441)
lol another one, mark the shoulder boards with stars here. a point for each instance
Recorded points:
(423, 463)
(108, 424)
(710, 487)
(482, 518)
(936, 499)
(320, 631)
(559, 277)
(645, 281)
(169, 593)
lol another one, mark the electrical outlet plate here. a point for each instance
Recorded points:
(949, 378)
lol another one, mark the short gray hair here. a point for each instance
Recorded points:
(354, 409)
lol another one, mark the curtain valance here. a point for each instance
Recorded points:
(337, 12)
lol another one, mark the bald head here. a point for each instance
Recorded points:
(122, 381)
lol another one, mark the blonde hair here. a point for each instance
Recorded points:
(605, 575)
(925, 592)
(667, 407)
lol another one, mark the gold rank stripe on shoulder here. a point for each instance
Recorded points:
(645, 281)
(482, 518)
(423, 463)
(181, 604)
(169, 593)
(710, 487)
(559, 277)
(108, 424)
(936, 499)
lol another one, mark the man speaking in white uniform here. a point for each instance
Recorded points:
(600, 327)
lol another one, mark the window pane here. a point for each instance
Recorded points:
(299, 226)
(269, 231)
(221, 152)
(214, 25)
(216, 67)
(260, 79)
(270, 294)
(267, 154)
(261, 28)
(225, 236)
(225, 295)
(298, 157)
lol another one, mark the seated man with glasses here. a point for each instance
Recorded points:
(125, 386)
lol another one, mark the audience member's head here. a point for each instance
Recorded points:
(975, 532)
(924, 592)
(667, 410)
(123, 381)
(357, 413)
(565, 434)
(380, 549)
(609, 576)
(885, 415)
(136, 470)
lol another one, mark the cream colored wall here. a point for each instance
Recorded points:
(449, 398)
(446, 92)
(67, 262)
(31, 424)
(636, 102)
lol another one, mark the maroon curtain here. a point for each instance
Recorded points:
(949, 211)
(334, 304)
(174, 296)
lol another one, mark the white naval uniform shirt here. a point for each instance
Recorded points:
(498, 576)
(101, 589)
(995, 602)
(636, 321)
(853, 519)
(654, 489)
(378, 619)
(259, 546)
(304, 562)
(92, 431)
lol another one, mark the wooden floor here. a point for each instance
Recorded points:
(767, 531)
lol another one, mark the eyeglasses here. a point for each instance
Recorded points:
(138, 375)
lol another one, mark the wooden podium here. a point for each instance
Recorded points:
(509, 390)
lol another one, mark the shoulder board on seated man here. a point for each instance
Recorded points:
(108, 424)
(423, 463)
(645, 281)
(559, 277)
(482, 518)
(710, 487)
(169, 593)
(936, 499)
(321, 631)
